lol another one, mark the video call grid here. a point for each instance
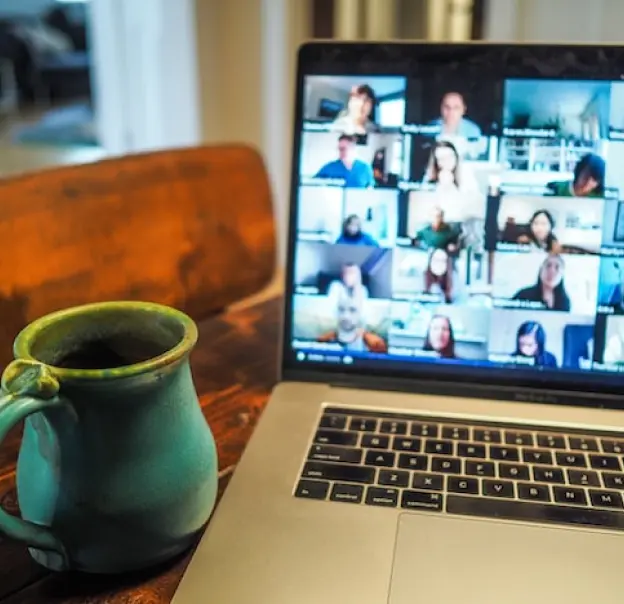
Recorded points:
(410, 161)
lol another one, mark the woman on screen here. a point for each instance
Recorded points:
(438, 274)
(443, 167)
(589, 179)
(352, 233)
(540, 233)
(440, 338)
(531, 343)
(549, 289)
(350, 284)
(457, 190)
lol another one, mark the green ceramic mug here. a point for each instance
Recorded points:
(117, 469)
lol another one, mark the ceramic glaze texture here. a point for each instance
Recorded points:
(118, 470)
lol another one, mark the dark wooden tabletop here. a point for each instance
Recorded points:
(234, 368)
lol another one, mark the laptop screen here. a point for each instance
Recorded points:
(458, 212)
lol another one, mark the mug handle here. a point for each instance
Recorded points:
(28, 387)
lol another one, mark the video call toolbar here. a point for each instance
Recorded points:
(434, 225)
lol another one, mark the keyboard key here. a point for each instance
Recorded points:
(333, 437)
(393, 478)
(455, 433)
(498, 488)
(606, 499)
(422, 500)
(407, 444)
(533, 492)
(537, 456)
(372, 441)
(551, 441)
(460, 484)
(388, 498)
(480, 468)
(605, 462)
(570, 496)
(613, 481)
(430, 482)
(612, 446)
(363, 425)
(312, 489)
(393, 427)
(504, 453)
(571, 460)
(584, 478)
(535, 512)
(335, 422)
(351, 493)
(335, 454)
(412, 462)
(485, 435)
(427, 430)
(340, 472)
(513, 471)
(546, 474)
(439, 447)
(384, 459)
(581, 443)
(521, 439)
(445, 465)
(470, 450)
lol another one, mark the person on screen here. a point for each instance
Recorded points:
(614, 348)
(350, 284)
(440, 338)
(531, 343)
(452, 120)
(612, 294)
(350, 332)
(456, 187)
(352, 233)
(439, 235)
(356, 118)
(550, 288)
(443, 166)
(438, 275)
(355, 172)
(540, 233)
(589, 179)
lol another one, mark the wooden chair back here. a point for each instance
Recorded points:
(191, 228)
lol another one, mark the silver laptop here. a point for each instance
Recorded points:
(449, 425)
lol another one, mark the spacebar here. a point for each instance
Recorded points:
(533, 512)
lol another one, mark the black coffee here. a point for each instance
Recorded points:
(110, 353)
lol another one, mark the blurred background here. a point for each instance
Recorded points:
(85, 79)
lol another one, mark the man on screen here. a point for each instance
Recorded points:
(356, 173)
(350, 332)
(356, 118)
(452, 120)
(438, 235)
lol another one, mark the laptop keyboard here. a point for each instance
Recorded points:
(477, 469)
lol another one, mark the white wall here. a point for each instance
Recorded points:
(247, 56)
(145, 74)
(555, 20)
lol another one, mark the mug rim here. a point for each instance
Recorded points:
(26, 337)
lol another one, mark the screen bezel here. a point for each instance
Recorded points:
(538, 61)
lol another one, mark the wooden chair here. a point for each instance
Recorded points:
(190, 228)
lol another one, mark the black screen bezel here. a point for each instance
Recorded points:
(539, 61)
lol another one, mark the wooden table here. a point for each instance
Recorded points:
(234, 368)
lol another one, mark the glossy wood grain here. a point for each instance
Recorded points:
(234, 368)
(192, 228)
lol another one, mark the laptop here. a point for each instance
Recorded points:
(448, 426)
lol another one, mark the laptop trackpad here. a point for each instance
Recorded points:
(472, 561)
